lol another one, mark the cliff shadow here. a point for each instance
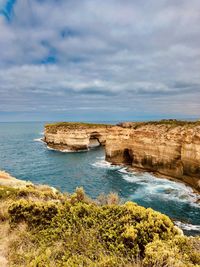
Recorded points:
(127, 156)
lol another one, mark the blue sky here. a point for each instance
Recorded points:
(99, 60)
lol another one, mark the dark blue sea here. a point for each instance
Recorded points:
(24, 156)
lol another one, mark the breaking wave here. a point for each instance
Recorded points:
(38, 140)
(63, 151)
(151, 186)
(102, 163)
(187, 226)
(66, 150)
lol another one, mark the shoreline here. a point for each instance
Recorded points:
(167, 148)
(8, 181)
(160, 175)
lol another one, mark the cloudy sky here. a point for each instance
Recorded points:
(99, 60)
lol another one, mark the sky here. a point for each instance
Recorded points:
(97, 60)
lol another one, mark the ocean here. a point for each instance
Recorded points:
(24, 156)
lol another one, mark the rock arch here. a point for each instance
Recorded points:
(94, 140)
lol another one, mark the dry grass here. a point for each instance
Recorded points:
(169, 123)
(53, 127)
(4, 210)
(7, 180)
(4, 239)
(19, 244)
(77, 124)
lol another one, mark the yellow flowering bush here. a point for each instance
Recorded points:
(75, 231)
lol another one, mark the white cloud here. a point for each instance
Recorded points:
(121, 53)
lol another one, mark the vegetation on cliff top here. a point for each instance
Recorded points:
(169, 123)
(74, 125)
(44, 228)
(53, 127)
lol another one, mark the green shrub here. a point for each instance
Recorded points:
(75, 231)
(124, 229)
(34, 213)
(7, 192)
(177, 252)
(54, 127)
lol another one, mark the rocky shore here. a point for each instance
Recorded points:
(7, 180)
(168, 147)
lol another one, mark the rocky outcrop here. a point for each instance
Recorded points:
(168, 147)
(75, 136)
(7, 180)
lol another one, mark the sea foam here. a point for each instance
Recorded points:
(151, 186)
(38, 140)
(66, 150)
(102, 163)
(187, 226)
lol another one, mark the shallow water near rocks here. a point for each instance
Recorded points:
(24, 155)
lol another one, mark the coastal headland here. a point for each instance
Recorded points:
(168, 147)
(41, 226)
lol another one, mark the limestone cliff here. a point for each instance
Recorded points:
(169, 147)
(75, 136)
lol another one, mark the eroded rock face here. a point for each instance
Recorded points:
(171, 149)
(75, 137)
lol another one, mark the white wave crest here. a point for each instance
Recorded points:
(101, 158)
(105, 165)
(50, 148)
(187, 226)
(123, 170)
(150, 186)
(38, 140)
(66, 150)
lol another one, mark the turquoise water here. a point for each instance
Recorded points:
(25, 157)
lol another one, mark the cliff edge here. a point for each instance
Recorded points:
(43, 227)
(169, 147)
